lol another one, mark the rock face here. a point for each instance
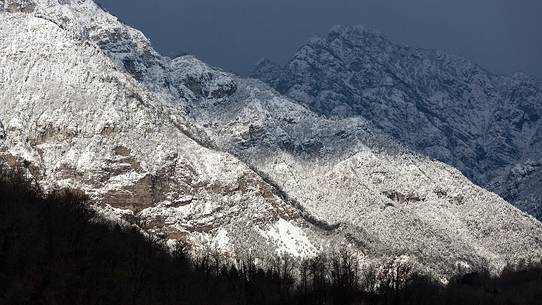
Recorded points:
(78, 121)
(437, 104)
(188, 152)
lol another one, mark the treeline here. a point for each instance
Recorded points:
(53, 251)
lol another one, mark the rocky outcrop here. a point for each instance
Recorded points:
(440, 105)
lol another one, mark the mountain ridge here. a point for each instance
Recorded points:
(464, 115)
(191, 153)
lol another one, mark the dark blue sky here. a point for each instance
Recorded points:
(502, 35)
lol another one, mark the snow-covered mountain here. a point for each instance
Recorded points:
(78, 120)
(443, 106)
(188, 152)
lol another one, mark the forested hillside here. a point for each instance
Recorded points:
(55, 250)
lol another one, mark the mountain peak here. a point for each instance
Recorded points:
(347, 30)
(353, 34)
(438, 104)
(29, 6)
(72, 15)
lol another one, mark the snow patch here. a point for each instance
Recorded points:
(290, 238)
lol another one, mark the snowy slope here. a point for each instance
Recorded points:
(382, 197)
(438, 104)
(77, 121)
(188, 152)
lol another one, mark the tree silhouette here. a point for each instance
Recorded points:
(55, 250)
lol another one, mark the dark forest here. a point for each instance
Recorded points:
(55, 250)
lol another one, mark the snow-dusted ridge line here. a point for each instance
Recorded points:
(484, 124)
(111, 152)
(112, 123)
